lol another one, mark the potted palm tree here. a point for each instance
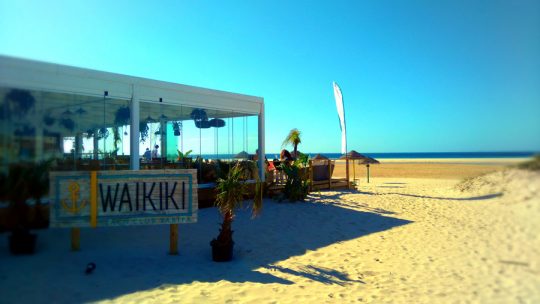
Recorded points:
(38, 180)
(23, 182)
(231, 192)
(294, 139)
(21, 241)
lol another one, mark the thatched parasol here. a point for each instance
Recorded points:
(363, 160)
(320, 157)
(242, 155)
(369, 161)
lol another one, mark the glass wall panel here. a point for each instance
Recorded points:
(207, 135)
(252, 134)
(70, 129)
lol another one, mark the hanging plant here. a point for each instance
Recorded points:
(160, 132)
(17, 102)
(177, 126)
(102, 133)
(67, 123)
(199, 115)
(48, 120)
(121, 118)
(202, 124)
(217, 123)
(143, 130)
(89, 133)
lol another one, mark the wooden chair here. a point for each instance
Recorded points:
(275, 180)
(320, 174)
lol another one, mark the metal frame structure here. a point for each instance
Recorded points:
(36, 75)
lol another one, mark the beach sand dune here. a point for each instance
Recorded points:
(396, 239)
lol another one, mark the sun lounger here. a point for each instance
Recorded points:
(321, 175)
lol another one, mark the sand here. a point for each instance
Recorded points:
(397, 239)
(445, 168)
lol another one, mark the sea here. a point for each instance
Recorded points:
(432, 155)
(408, 155)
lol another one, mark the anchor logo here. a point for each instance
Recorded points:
(76, 206)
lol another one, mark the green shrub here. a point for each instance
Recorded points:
(297, 185)
(533, 165)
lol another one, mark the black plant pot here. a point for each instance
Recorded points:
(222, 252)
(22, 242)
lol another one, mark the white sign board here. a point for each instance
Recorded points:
(120, 198)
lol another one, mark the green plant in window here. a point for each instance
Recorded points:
(116, 138)
(181, 155)
(184, 159)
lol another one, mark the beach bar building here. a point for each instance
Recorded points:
(92, 120)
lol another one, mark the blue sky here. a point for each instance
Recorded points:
(416, 75)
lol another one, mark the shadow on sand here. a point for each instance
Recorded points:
(339, 201)
(131, 259)
(474, 198)
(390, 187)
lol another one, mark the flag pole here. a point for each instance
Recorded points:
(347, 170)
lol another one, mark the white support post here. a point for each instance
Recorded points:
(163, 129)
(261, 143)
(134, 131)
(39, 128)
(78, 144)
(96, 142)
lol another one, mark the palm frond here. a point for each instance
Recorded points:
(231, 191)
(293, 138)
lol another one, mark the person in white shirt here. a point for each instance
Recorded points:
(155, 153)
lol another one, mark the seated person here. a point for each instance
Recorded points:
(269, 165)
(285, 156)
(147, 154)
(256, 155)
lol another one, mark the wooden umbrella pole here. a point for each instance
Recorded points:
(347, 170)
(367, 172)
(354, 170)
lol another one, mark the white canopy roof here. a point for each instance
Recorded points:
(48, 77)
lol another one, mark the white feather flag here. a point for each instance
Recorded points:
(341, 114)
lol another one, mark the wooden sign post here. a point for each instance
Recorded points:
(173, 236)
(75, 239)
